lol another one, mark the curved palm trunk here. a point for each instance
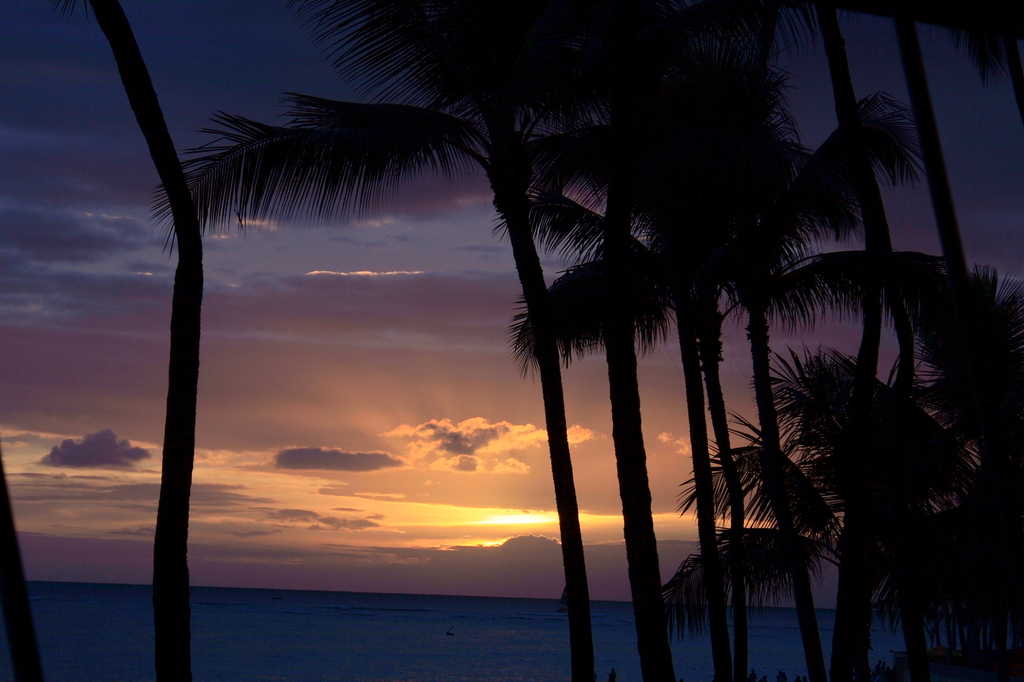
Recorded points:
(21, 635)
(1016, 71)
(959, 284)
(710, 341)
(704, 484)
(850, 640)
(510, 201)
(171, 609)
(775, 488)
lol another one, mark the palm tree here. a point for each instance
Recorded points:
(478, 84)
(21, 635)
(171, 611)
(851, 634)
(993, 56)
(959, 288)
(997, 336)
(756, 265)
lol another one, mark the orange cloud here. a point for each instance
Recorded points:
(462, 444)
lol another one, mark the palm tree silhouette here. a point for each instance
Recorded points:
(478, 84)
(851, 634)
(171, 610)
(21, 634)
(993, 56)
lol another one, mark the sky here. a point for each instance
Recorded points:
(361, 425)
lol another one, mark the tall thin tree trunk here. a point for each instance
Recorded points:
(21, 634)
(778, 497)
(703, 483)
(711, 356)
(959, 286)
(851, 640)
(618, 336)
(171, 608)
(913, 623)
(1013, 64)
(510, 201)
(635, 493)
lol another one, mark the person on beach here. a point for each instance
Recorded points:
(612, 676)
(781, 677)
(752, 677)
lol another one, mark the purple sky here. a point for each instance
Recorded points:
(375, 351)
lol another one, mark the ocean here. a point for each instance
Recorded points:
(98, 633)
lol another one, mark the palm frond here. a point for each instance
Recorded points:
(333, 159)
(986, 52)
(579, 300)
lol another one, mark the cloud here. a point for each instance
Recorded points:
(69, 237)
(460, 463)
(253, 533)
(374, 496)
(461, 445)
(348, 524)
(578, 434)
(468, 437)
(321, 522)
(140, 530)
(682, 443)
(365, 273)
(101, 449)
(140, 496)
(334, 460)
(510, 466)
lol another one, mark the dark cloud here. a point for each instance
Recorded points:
(459, 441)
(67, 237)
(334, 460)
(140, 530)
(482, 250)
(101, 449)
(349, 524)
(325, 522)
(463, 463)
(134, 496)
(253, 533)
(293, 515)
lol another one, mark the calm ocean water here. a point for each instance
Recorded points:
(100, 633)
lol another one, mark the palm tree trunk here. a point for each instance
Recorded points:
(171, 609)
(617, 331)
(704, 484)
(635, 494)
(510, 201)
(1016, 71)
(912, 622)
(997, 483)
(711, 356)
(630, 454)
(775, 488)
(21, 635)
(850, 641)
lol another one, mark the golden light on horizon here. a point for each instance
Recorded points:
(517, 519)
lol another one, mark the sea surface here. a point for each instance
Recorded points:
(97, 633)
